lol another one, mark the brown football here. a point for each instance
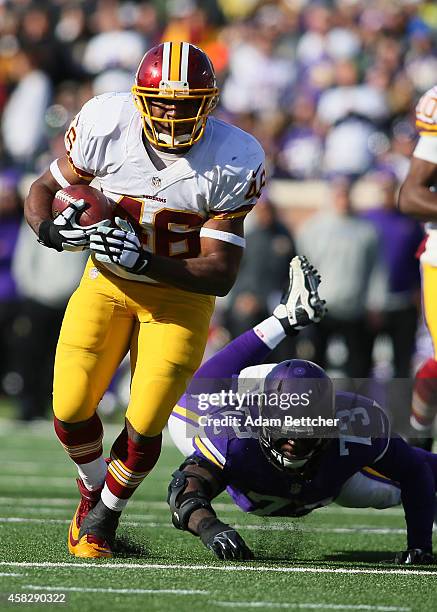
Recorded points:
(98, 208)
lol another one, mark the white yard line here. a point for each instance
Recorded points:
(66, 512)
(65, 501)
(19, 520)
(20, 480)
(48, 481)
(307, 606)
(40, 510)
(11, 574)
(242, 567)
(40, 587)
(272, 527)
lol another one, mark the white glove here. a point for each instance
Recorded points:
(120, 246)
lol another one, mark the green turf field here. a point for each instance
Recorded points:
(331, 560)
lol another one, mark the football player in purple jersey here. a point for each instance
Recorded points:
(287, 459)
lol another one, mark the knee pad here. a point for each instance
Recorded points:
(182, 505)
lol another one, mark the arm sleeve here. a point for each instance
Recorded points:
(409, 468)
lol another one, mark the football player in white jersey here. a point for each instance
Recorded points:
(184, 181)
(419, 199)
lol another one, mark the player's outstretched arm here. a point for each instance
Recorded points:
(190, 492)
(213, 272)
(413, 471)
(415, 197)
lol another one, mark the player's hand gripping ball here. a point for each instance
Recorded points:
(77, 211)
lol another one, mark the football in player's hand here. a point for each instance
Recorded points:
(98, 206)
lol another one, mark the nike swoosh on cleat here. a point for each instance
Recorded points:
(73, 541)
(73, 531)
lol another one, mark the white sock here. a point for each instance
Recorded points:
(111, 501)
(93, 474)
(270, 331)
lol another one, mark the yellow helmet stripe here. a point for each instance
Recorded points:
(175, 61)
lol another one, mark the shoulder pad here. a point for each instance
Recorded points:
(236, 150)
(102, 115)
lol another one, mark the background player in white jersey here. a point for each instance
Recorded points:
(184, 181)
(419, 199)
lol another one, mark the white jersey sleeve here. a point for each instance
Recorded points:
(240, 174)
(90, 139)
(426, 122)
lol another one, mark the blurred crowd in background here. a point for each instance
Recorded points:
(328, 88)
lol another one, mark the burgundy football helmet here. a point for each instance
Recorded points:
(175, 71)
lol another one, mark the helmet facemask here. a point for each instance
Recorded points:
(175, 92)
(304, 449)
(298, 402)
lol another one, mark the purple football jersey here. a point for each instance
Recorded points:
(258, 486)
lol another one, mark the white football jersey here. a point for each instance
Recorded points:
(426, 122)
(220, 177)
(426, 149)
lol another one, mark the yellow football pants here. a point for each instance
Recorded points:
(429, 300)
(165, 330)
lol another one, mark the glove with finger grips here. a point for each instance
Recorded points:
(223, 540)
(65, 234)
(120, 246)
